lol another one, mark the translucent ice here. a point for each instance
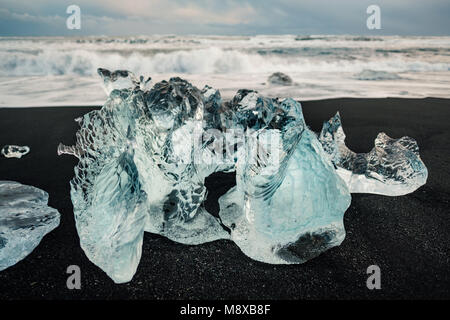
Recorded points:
(136, 173)
(144, 157)
(289, 210)
(25, 219)
(393, 167)
(11, 151)
(121, 79)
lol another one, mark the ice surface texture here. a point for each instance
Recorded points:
(11, 151)
(284, 211)
(144, 157)
(25, 219)
(393, 167)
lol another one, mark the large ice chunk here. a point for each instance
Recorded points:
(393, 167)
(12, 151)
(136, 173)
(25, 218)
(144, 157)
(288, 203)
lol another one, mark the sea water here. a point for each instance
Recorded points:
(61, 71)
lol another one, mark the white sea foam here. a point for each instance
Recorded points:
(62, 71)
(212, 60)
(368, 74)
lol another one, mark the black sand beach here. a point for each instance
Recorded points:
(407, 237)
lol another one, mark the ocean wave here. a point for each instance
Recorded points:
(202, 61)
(83, 62)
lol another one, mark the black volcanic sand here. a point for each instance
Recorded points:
(408, 236)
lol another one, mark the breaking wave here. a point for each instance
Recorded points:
(44, 71)
(196, 61)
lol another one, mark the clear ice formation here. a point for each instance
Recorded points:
(12, 151)
(143, 160)
(392, 168)
(25, 219)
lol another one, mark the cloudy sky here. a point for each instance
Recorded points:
(224, 17)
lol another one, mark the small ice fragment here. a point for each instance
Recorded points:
(12, 151)
(122, 79)
(280, 78)
(25, 218)
(393, 167)
(70, 150)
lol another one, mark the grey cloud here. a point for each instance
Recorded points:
(47, 17)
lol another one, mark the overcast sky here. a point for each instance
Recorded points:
(224, 17)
